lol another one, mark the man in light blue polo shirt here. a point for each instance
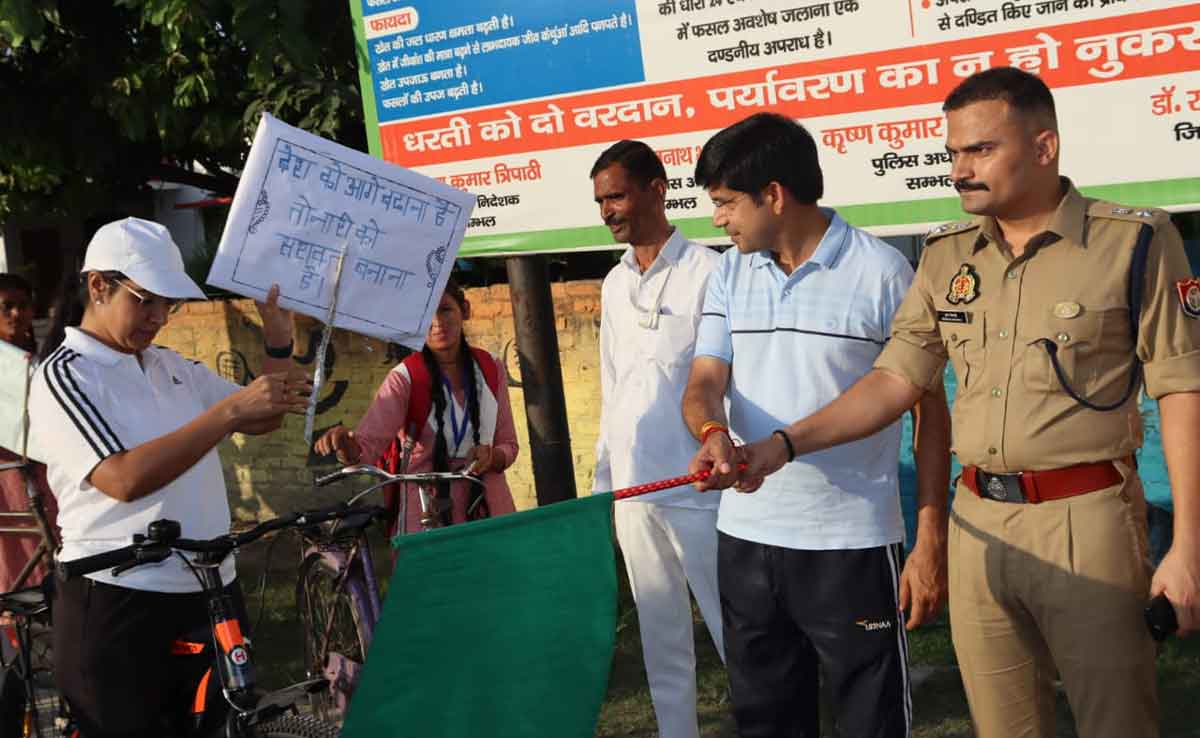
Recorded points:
(809, 565)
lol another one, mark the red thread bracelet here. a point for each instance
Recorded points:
(714, 429)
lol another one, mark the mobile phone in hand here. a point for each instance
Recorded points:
(1160, 618)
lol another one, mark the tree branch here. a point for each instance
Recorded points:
(219, 183)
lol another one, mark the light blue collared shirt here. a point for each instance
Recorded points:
(795, 342)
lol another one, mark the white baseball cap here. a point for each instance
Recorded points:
(143, 251)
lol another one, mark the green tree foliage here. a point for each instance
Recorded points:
(99, 97)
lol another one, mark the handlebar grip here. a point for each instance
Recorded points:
(330, 478)
(349, 471)
(88, 564)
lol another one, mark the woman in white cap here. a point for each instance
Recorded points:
(128, 432)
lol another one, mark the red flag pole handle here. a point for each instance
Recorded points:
(645, 489)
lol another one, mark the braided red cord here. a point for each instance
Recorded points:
(645, 489)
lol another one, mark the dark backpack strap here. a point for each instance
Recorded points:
(1135, 292)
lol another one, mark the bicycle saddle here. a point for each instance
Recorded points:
(24, 602)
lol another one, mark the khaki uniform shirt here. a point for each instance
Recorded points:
(972, 303)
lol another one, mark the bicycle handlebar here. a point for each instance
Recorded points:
(146, 550)
(349, 471)
(387, 478)
(88, 564)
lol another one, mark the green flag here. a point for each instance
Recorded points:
(501, 628)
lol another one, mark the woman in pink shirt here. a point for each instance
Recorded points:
(469, 423)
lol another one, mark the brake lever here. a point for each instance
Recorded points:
(143, 556)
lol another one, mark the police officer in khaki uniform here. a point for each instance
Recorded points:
(1031, 303)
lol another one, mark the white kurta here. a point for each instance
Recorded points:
(669, 539)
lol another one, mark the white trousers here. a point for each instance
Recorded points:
(666, 549)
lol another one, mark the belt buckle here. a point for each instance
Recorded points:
(1004, 487)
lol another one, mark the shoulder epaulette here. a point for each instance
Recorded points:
(1152, 217)
(949, 229)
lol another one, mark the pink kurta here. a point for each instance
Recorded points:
(17, 548)
(384, 421)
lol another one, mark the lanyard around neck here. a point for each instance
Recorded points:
(459, 431)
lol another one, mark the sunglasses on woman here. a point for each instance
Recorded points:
(150, 302)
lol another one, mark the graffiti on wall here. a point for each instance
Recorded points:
(232, 367)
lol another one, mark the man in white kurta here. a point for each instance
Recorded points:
(650, 309)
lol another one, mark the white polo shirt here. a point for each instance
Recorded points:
(647, 333)
(795, 342)
(88, 402)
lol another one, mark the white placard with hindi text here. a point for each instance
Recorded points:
(303, 200)
(14, 384)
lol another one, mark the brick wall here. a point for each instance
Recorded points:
(270, 474)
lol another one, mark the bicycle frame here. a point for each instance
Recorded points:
(37, 512)
(234, 666)
(354, 594)
(344, 562)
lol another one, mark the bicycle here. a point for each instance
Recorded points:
(43, 714)
(337, 594)
(251, 714)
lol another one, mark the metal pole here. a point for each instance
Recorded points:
(541, 378)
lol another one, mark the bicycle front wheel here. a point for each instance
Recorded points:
(335, 631)
(297, 726)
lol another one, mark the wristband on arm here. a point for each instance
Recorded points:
(282, 352)
(791, 450)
